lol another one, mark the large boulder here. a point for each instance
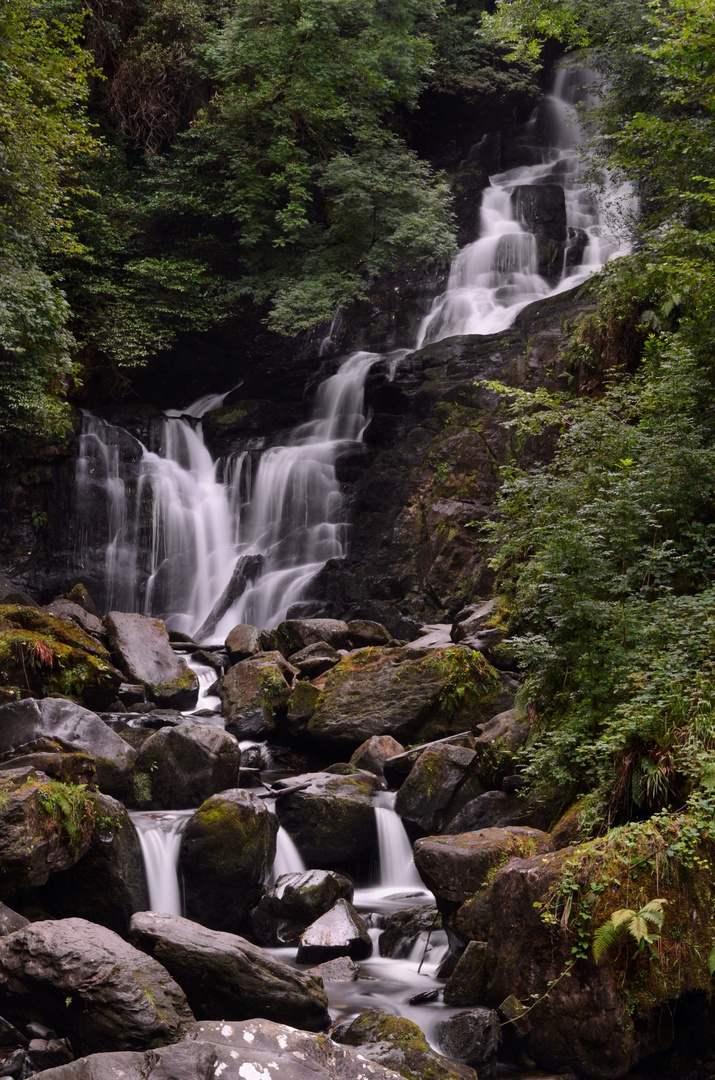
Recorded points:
(453, 867)
(473, 1037)
(497, 744)
(243, 641)
(254, 692)
(227, 850)
(225, 975)
(412, 694)
(23, 722)
(292, 635)
(108, 884)
(246, 1050)
(67, 609)
(427, 797)
(397, 1043)
(140, 646)
(294, 902)
(315, 660)
(541, 208)
(183, 766)
(332, 819)
(45, 826)
(44, 654)
(84, 980)
(364, 632)
(339, 932)
(55, 758)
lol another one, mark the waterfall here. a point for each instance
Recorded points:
(397, 867)
(175, 523)
(160, 839)
(288, 859)
(492, 279)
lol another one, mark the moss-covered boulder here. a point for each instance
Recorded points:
(254, 693)
(534, 923)
(292, 635)
(180, 767)
(55, 758)
(301, 706)
(332, 819)
(398, 1044)
(140, 646)
(45, 826)
(227, 850)
(108, 883)
(453, 867)
(412, 694)
(42, 654)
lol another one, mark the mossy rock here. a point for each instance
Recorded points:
(412, 694)
(301, 706)
(45, 656)
(398, 1044)
(332, 821)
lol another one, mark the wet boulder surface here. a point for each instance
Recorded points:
(428, 796)
(227, 850)
(140, 646)
(225, 975)
(254, 692)
(330, 817)
(339, 932)
(90, 984)
(233, 1050)
(399, 1044)
(183, 766)
(294, 902)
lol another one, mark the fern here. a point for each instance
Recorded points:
(637, 924)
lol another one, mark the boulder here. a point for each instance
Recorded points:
(54, 758)
(453, 867)
(45, 826)
(364, 632)
(470, 620)
(292, 635)
(294, 902)
(497, 744)
(253, 692)
(497, 809)
(242, 641)
(397, 1043)
(183, 766)
(340, 932)
(402, 929)
(227, 850)
(225, 975)
(428, 792)
(247, 1050)
(22, 722)
(341, 969)
(140, 646)
(374, 752)
(473, 1037)
(67, 609)
(301, 706)
(10, 921)
(89, 983)
(246, 570)
(541, 209)
(332, 820)
(79, 594)
(108, 884)
(11, 593)
(42, 654)
(315, 660)
(411, 694)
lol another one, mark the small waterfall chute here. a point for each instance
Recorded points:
(397, 866)
(159, 835)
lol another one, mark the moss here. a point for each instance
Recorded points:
(141, 788)
(232, 414)
(401, 1046)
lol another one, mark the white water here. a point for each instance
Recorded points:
(160, 838)
(288, 859)
(492, 279)
(397, 867)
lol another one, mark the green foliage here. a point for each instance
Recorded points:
(636, 924)
(69, 807)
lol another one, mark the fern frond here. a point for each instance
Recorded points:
(623, 915)
(638, 929)
(604, 937)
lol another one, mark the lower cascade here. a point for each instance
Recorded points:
(159, 834)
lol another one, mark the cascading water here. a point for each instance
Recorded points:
(159, 835)
(397, 867)
(178, 528)
(492, 279)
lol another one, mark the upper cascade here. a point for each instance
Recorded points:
(207, 544)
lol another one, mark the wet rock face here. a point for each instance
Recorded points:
(428, 794)
(294, 902)
(225, 975)
(408, 693)
(227, 851)
(141, 648)
(374, 752)
(453, 867)
(292, 635)
(340, 932)
(183, 766)
(109, 883)
(243, 641)
(541, 209)
(332, 821)
(23, 722)
(86, 981)
(402, 929)
(473, 1037)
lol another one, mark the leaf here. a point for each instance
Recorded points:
(711, 961)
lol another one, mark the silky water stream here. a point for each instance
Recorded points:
(174, 523)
